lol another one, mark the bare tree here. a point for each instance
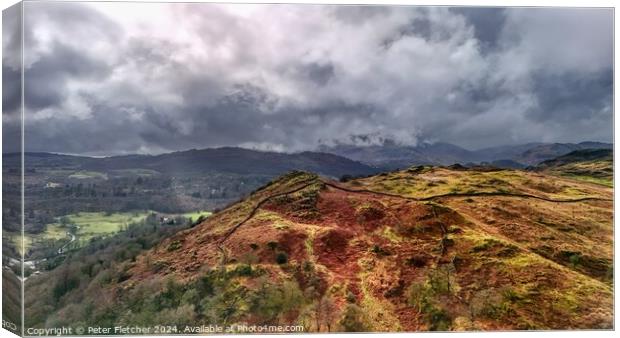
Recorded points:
(325, 313)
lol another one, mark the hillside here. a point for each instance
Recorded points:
(426, 248)
(58, 185)
(545, 152)
(591, 165)
(392, 156)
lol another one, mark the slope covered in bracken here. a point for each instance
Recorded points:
(426, 248)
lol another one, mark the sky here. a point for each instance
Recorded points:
(119, 78)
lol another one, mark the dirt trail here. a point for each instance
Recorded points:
(220, 243)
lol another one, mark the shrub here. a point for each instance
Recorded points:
(438, 320)
(182, 315)
(439, 280)
(575, 260)
(419, 296)
(489, 303)
(422, 296)
(379, 251)
(244, 270)
(354, 319)
(351, 297)
(271, 301)
(64, 286)
(281, 258)
(158, 266)
(175, 245)
(272, 245)
(488, 243)
(417, 261)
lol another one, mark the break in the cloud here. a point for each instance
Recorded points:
(109, 78)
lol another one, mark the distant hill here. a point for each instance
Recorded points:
(545, 152)
(593, 165)
(504, 152)
(332, 161)
(504, 164)
(224, 160)
(579, 156)
(393, 156)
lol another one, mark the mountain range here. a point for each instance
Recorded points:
(393, 156)
(333, 161)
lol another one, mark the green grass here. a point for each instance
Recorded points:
(195, 214)
(55, 231)
(608, 182)
(93, 224)
(392, 236)
(88, 174)
(136, 172)
(15, 239)
(97, 223)
(379, 311)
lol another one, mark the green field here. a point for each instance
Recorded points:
(606, 181)
(15, 239)
(53, 231)
(91, 224)
(135, 172)
(194, 215)
(88, 174)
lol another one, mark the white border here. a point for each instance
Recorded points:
(474, 3)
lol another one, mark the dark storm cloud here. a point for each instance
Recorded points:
(11, 90)
(11, 79)
(11, 60)
(46, 79)
(565, 97)
(487, 23)
(127, 77)
(11, 35)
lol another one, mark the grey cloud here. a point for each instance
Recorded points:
(569, 96)
(45, 80)
(487, 23)
(356, 15)
(11, 60)
(11, 90)
(317, 73)
(292, 77)
(77, 19)
(11, 79)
